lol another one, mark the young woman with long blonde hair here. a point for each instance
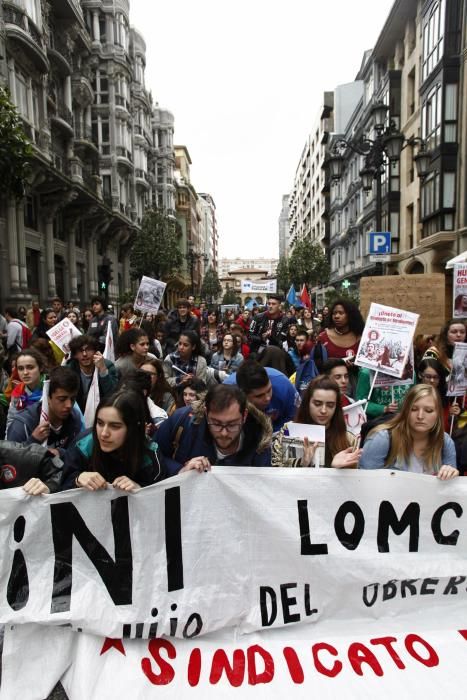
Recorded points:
(414, 439)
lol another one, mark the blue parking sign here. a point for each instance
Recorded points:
(380, 243)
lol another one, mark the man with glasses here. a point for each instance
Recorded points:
(224, 429)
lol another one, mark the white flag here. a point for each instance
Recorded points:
(109, 350)
(92, 401)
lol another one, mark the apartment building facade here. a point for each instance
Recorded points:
(308, 201)
(76, 72)
(416, 70)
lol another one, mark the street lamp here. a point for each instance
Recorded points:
(384, 148)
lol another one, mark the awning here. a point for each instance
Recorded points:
(458, 259)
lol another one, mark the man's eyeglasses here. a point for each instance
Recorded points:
(229, 427)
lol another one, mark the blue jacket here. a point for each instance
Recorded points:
(24, 422)
(378, 445)
(285, 400)
(77, 459)
(185, 434)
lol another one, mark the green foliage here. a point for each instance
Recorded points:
(15, 149)
(211, 288)
(156, 249)
(283, 275)
(231, 297)
(341, 293)
(308, 264)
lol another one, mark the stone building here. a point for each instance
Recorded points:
(76, 72)
(416, 69)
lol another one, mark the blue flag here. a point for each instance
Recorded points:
(292, 297)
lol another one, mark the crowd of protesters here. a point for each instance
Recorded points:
(192, 387)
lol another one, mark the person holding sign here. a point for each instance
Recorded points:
(321, 405)
(454, 331)
(413, 440)
(116, 450)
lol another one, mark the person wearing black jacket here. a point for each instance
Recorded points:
(179, 321)
(31, 466)
(270, 327)
(100, 320)
(116, 451)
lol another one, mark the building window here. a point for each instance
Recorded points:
(100, 86)
(411, 92)
(433, 38)
(30, 212)
(32, 270)
(121, 31)
(430, 195)
(450, 112)
(431, 118)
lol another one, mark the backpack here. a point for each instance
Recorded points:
(370, 424)
(26, 335)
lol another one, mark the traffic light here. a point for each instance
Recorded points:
(105, 277)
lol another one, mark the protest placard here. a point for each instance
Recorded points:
(355, 416)
(386, 340)
(62, 333)
(149, 295)
(293, 441)
(384, 380)
(457, 382)
(303, 580)
(459, 293)
(259, 286)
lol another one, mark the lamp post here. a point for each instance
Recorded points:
(384, 148)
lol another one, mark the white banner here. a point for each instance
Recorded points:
(259, 286)
(109, 349)
(136, 556)
(149, 296)
(294, 558)
(62, 333)
(459, 293)
(386, 339)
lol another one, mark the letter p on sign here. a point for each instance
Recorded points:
(380, 243)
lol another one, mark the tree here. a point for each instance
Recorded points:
(156, 250)
(308, 264)
(211, 288)
(283, 275)
(15, 149)
(230, 297)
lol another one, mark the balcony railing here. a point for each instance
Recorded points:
(15, 15)
(83, 132)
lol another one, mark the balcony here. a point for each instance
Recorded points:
(142, 178)
(22, 30)
(59, 53)
(60, 163)
(83, 137)
(82, 89)
(124, 157)
(63, 118)
(68, 9)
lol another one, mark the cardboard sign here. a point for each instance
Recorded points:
(149, 295)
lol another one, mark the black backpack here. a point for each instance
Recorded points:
(370, 424)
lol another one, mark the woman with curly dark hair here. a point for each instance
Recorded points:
(48, 319)
(345, 329)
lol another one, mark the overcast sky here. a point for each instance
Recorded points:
(244, 81)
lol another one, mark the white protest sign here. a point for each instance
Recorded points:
(109, 349)
(133, 557)
(294, 435)
(62, 333)
(457, 382)
(315, 433)
(149, 295)
(394, 659)
(459, 293)
(384, 380)
(259, 286)
(355, 416)
(386, 339)
(337, 577)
